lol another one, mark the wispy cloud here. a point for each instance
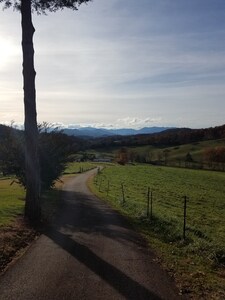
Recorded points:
(159, 62)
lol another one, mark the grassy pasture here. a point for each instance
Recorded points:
(200, 259)
(196, 149)
(79, 167)
(179, 152)
(11, 201)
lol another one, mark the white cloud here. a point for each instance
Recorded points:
(126, 122)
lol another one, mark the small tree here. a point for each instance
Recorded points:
(54, 148)
(122, 156)
(215, 156)
(26, 7)
(188, 159)
(166, 156)
(12, 154)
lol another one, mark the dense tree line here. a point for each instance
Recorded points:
(167, 138)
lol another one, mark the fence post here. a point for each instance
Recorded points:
(148, 200)
(151, 205)
(108, 188)
(185, 217)
(96, 179)
(99, 188)
(122, 187)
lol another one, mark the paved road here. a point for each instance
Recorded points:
(91, 253)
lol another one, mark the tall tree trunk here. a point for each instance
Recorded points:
(32, 206)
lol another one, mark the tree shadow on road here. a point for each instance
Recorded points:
(83, 213)
(125, 285)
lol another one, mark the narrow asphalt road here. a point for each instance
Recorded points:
(91, 253)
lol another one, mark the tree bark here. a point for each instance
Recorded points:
(32, 205)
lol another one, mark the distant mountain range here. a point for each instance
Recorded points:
(102, 132)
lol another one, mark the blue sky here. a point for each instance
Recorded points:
(121, 64)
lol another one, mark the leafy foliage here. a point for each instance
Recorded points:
(216, 154)
(41, 6)
(12, 153)
(54, 148)
(122, 156)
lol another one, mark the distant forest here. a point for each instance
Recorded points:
(167, 138)
(56, 149)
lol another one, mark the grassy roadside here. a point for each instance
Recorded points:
(79, 167)
(15, 233)
(11, 201)
(196, 263)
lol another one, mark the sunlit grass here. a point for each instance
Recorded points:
(11, 201)
(204, 248)
(79, 167)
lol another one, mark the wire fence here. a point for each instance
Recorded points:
(169, 212)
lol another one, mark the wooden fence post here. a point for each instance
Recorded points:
(123, 195)
(185, 217)
(99, 188)
(148, 200)
(108, 188)
(151, 205)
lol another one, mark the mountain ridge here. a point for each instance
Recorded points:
(103, 132)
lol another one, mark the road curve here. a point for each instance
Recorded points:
(91, 253)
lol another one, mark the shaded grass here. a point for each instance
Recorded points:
(197, 262)
(15, 233)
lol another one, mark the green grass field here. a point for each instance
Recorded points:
(203, 251)
(11, 201)
(178, 153)
(79, 167)
(196, 149)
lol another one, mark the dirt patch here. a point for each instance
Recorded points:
(14, 239)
